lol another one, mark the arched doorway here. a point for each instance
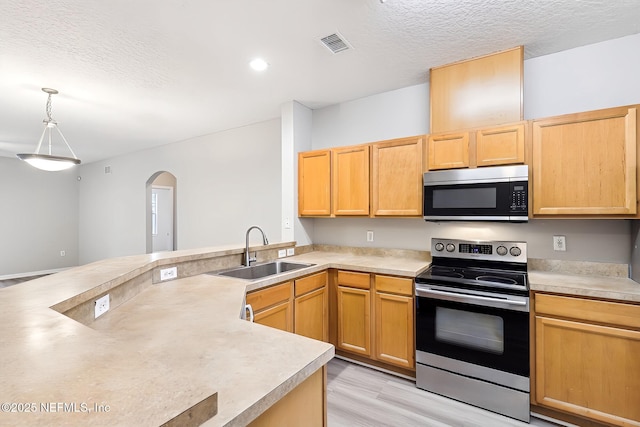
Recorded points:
(161, 212)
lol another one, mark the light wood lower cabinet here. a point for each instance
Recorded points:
(273, 306)
(394, 321)
(311, 307)
(375, 318)
(587, 358)
(354, 312)
(305, 405)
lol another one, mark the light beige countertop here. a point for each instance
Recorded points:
(605, 287)
(163, 350)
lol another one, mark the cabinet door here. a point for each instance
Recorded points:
(588, 370)
(397, 177)
(279, 317)
(311, 315)
(314, 183)
(585, 163)
(394, 330)
(500, 146)
(354, 320)
(351, 180)
(448, 151)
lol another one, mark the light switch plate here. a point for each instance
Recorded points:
(282, 253)
(291, 251)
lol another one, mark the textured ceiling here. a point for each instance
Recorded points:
(136, 74)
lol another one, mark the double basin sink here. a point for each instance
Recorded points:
(259, 271)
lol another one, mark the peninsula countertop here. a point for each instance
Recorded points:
(161, 353)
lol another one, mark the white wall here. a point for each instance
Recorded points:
(394, 114)
(600, 75)
(38, 218)
(226, 182)
(591, 77)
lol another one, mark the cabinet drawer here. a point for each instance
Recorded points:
(613, 313)
(310, 283)
(264, 298)
(354, 280)
(394, 285)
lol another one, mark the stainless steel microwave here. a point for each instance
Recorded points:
(498, 193)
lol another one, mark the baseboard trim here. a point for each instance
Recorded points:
(377, 368)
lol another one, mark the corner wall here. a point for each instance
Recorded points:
(38, 218)
(226, 182)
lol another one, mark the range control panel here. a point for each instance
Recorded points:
(475, 249)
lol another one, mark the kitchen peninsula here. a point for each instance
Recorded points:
(173, 352)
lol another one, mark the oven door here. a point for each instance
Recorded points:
(474, 333)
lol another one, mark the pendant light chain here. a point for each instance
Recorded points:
(49, 118)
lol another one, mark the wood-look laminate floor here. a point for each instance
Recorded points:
(360, 396)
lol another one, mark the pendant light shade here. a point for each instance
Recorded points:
(49, 162)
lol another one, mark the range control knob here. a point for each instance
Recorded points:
(515, 251)
(501, 250)
(451, 247)
(439, 247)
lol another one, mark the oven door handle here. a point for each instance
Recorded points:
(466, 297)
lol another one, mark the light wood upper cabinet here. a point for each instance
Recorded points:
(397, 177)
(479, 92)
(448, 151)
(394, 321)
(350, 180)
(312, 307)
(585, 164)
(314, 183)
(495, 146)
(586, 358)
(500, 146)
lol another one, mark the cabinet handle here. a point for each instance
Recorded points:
(248, 307)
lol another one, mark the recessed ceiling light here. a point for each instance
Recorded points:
(259, 64)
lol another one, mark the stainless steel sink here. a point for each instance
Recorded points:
(263, 270)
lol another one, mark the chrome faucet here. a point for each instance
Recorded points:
(247, 258)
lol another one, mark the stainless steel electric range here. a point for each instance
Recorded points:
(472, 325)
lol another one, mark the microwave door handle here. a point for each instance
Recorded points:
(466, 297)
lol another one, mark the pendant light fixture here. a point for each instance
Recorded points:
(49, 162)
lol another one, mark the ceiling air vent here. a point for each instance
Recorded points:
(335, 43)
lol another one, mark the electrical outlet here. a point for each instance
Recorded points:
(369, 236)
(63, 253)
(282, 253)
(168, 273)
(559, 243)
(102, 306)
(291, 251)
